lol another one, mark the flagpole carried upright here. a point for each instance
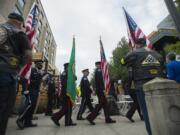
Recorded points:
(104, 68)
(30, 26)
(134, 32)
(71, 86)
(128, 30)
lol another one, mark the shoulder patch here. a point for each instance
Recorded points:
(150, 60)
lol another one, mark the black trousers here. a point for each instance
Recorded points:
(66, 111)
(7, 100)
(134, 106)
(85, 101)
(101, 105)
(28, 114)
(49, 103)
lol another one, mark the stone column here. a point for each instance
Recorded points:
(163, 105)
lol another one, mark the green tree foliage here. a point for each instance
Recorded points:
(116, 70)
(92, 80)
(173, 48)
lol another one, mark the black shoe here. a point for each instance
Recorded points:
(56, 122)
(71, 124)
(109, 121)
(91, 122)
(20, 123)
(48, 114)
(30, 125)
(142, 118)
(80, 118)
(129, 118)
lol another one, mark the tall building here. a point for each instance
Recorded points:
(44, 40)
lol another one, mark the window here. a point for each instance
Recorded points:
(38, 32)
(21, 3)
(39, 24)
(37, 11)
(42, 16)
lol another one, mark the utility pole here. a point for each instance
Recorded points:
(175, 14)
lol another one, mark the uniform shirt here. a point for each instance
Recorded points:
(85, 87)
(36, 78)
(63, 77)
(51, 86)
(99, 82)
(173, 70)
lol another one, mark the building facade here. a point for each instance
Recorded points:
(166, 34)
(44, 39)
(166, 23)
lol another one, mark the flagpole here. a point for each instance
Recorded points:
(128, 30)
(107, 87)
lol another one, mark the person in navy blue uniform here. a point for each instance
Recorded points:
(25, 119)
(85, 94)
(173, 67)
(51, 94)
(100, 91)
(66, 109)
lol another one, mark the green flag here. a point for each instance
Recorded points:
(71, 88)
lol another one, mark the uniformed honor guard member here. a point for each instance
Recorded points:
(51, 95)
(99, 85)
(85, 94)
(15, 52)
(25, 120)
(146, 65)
(66, 103)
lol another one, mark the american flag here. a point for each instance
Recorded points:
(134, 32)
(104, 68)
(30, 25)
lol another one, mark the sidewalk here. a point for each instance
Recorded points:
(46, 127)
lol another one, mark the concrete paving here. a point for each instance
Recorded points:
(46, 127)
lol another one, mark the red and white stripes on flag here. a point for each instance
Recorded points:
(134, 32)
(30, 25)
(104, 68)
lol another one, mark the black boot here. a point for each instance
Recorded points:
(130, 118)
(80, 118)
(109, 121)
(56, 122)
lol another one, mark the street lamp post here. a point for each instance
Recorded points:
(174, 14)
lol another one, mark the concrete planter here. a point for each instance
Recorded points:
(163, 104)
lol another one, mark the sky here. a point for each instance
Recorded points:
(90, 19)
